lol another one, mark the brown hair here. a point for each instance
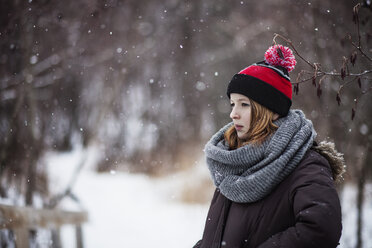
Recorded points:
(260, 128)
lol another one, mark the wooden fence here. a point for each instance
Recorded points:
(21, 220)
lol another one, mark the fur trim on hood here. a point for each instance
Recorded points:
(335, 158)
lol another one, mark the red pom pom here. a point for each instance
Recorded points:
(279, 55)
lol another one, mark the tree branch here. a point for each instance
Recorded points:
(293, 48)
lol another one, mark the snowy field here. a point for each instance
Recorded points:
(137, 211)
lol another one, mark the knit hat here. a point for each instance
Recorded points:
(267, 82)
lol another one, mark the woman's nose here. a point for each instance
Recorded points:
(234, 114)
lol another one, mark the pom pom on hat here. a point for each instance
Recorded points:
(279, 55)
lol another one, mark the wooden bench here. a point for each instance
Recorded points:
(23, 219)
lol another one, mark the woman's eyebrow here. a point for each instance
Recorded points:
(240, 100)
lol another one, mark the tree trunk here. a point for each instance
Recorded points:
(360, 200)
(360, 197)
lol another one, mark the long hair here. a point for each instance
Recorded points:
(260, 128)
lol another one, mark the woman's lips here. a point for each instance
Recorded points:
(238, 127)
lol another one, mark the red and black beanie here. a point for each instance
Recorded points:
(267, 82)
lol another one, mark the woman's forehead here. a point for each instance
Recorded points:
(238, 97)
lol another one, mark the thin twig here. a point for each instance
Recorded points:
(356, 12)
(345, 84)
(293, 48)
(361, 51)
(321, 73)
(303, 81)
(68, 190)
(321, 79)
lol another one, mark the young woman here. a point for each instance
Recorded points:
(274, 184)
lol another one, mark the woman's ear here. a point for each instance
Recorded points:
(275, 117)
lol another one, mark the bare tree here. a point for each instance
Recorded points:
(355, 71)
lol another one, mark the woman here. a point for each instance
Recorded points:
(274, 184)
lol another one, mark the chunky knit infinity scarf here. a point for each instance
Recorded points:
(249, 173)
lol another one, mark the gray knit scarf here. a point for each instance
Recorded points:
(249, 173)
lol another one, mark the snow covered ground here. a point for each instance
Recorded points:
(348, 202)
(128, 210)
(137, 211)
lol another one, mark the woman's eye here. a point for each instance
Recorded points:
(245, 104)
(232, 104)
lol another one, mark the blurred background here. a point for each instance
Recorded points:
(105, 107)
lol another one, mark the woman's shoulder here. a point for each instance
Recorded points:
(313, 168)
(325, 158)
(313, 158)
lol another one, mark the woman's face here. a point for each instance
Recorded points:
(240, 114)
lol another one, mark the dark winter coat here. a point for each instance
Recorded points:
(302, 211)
